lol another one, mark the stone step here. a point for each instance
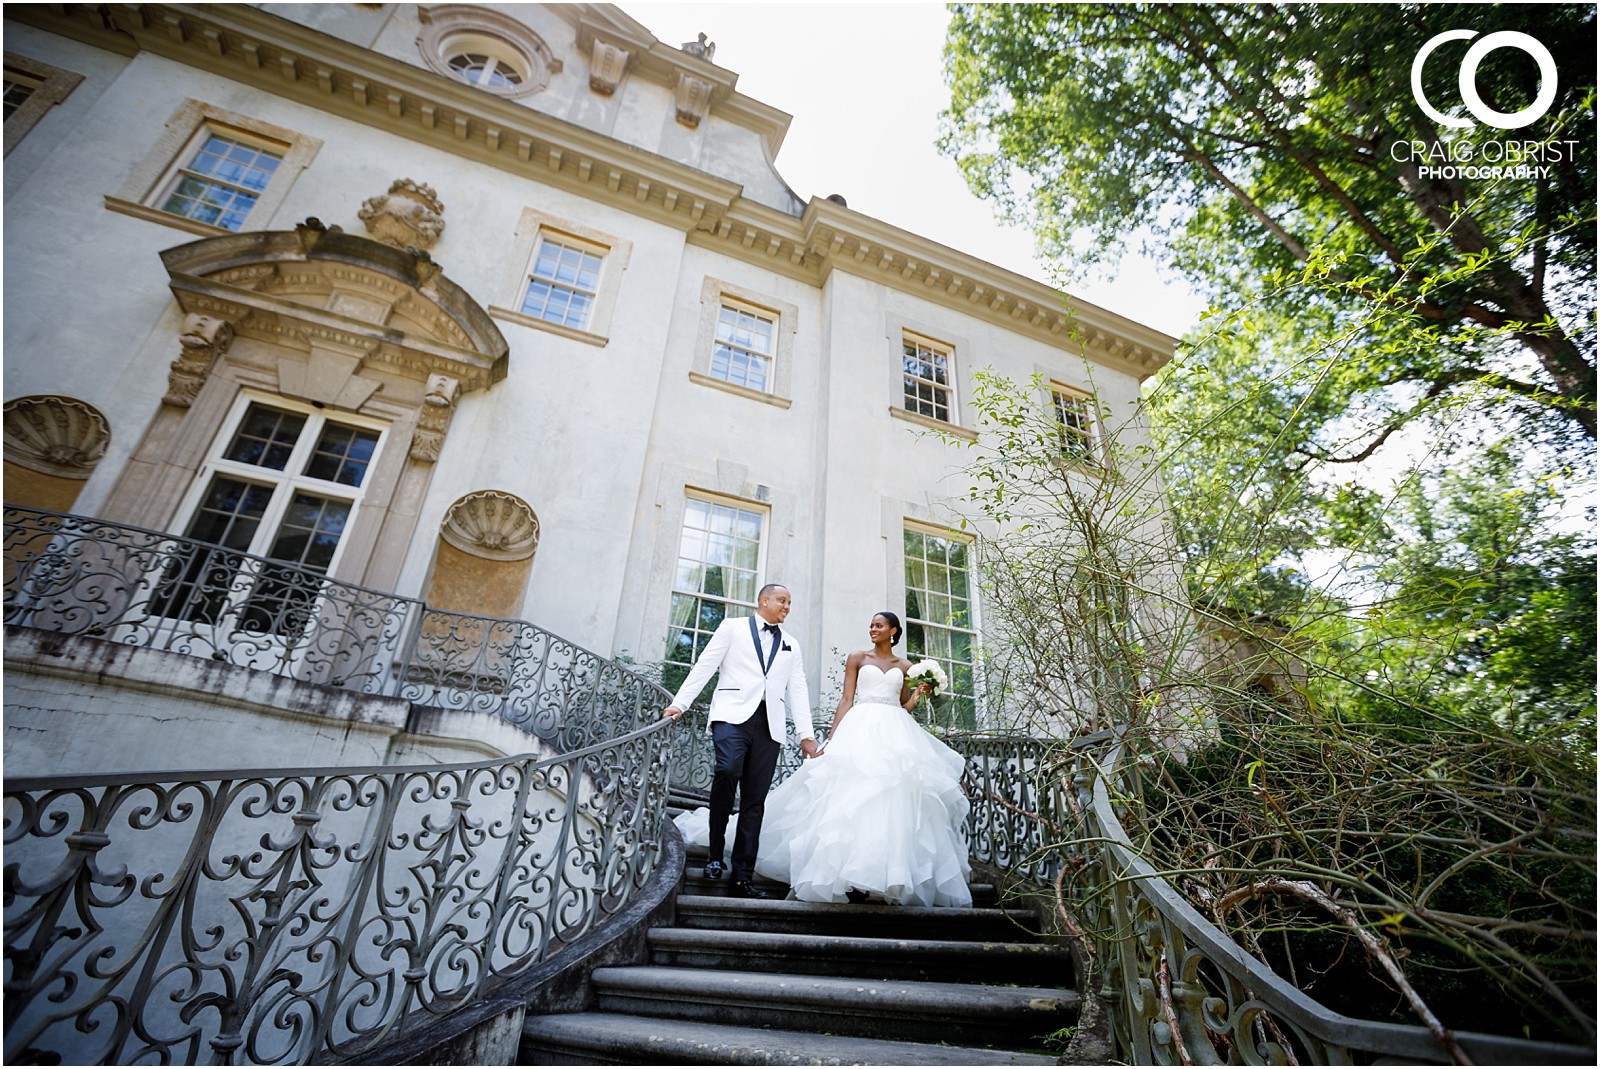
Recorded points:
(696, 884)
(906, 1010)
(973, 925)
(619, 1039)
(942, 960)
(983, 894)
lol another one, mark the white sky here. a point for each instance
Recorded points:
(864, 86)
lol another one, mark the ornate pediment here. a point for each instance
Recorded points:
(316, 286)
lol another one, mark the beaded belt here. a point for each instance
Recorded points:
(877, 701)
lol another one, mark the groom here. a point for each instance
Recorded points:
(761, 673)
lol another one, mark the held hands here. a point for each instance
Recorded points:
(809, 748)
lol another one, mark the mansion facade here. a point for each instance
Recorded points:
(507, 309)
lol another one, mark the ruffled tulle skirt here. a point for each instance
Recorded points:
(881, 811)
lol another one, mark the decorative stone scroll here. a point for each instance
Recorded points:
(607, 64)
(693, 99)
(55, 435)
(202, 339)
(409, 216)
(492, 524)
(433, 420)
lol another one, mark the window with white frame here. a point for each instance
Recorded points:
(564, 281)
(214, 171)
(940, 622)
(283, 482)
(718, 575)
(1074, 414)
(745, 345)
(926, 366)
(220, 177)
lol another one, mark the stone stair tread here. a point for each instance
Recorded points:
(827, 945)
(792, 906)
(923, 997)
(655, 1040)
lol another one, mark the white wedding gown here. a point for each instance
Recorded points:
(881, 811)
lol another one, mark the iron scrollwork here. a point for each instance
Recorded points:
(286, 916)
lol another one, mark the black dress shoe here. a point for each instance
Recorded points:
(746, 889)
(714, 870)
(854, 897)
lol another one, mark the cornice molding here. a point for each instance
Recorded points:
(829, 237)
(248, 45)
(255, 48)
(666, 65)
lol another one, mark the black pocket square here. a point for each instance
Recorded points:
(786, 648)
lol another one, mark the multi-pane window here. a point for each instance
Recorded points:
(283, 485)
(485, 71)
(563, 283)
(744, 347)
(718, 575)
(939, 620)
(1074, 413)
(19, 87)
(221, 180)
(926, 366)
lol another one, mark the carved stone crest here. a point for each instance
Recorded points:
(201, 339)
(410, 215)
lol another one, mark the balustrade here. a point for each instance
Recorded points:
(1176, 988)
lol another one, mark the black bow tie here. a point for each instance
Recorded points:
(771, 628)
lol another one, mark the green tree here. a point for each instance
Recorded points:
(1265, 144)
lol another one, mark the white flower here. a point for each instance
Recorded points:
(928, 672)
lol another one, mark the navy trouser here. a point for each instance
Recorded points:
(746, 758)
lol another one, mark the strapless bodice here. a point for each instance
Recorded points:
(877, 687)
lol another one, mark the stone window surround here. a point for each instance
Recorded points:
(734, 483)
(194, 117)
(179, 442)
(442, 24)
(762, 508)
(214, 464)
(54, 85)
(787, 319)
(1051, 378)
(962, 418)
(1091, 455)
(896, 517)
(531, 227)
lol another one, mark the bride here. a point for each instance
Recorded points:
(881, 811)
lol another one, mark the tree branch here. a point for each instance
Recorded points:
(1309, 892)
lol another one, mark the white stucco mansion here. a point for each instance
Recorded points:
(504, 307)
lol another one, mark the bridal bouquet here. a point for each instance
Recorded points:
(927, 672)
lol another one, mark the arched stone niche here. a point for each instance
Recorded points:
(339, 321)
(485, 555)
(52, 445)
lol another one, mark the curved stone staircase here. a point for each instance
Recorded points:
(780, 982)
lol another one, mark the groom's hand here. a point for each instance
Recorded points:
(809, 747)
(671, 712)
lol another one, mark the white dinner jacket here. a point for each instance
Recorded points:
(742, 685)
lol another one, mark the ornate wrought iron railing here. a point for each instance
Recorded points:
(77, 575)
(1177, 989)
(307, 914)
(295, 915)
